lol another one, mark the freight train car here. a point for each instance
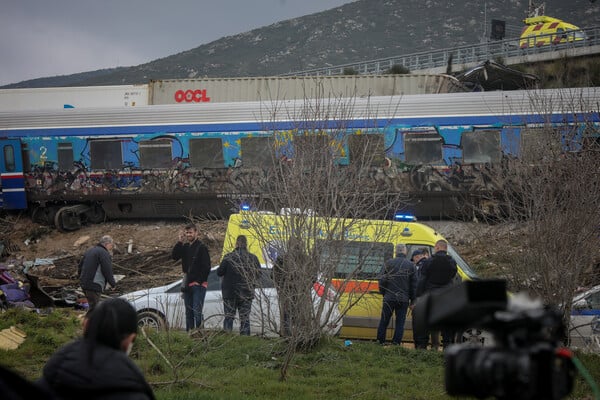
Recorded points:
(71, 166)
(226, 90)
(35, 99)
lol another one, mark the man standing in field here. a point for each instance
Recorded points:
(397, 283)
(95, 271)
(240, 270)
(437, 272)
(195, 264)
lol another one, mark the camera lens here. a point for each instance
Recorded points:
(484, 372)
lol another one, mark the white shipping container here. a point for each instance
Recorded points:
(218, 90)
(73, 97)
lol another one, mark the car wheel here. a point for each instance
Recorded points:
(151, 320)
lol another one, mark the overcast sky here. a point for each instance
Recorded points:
(41, 38)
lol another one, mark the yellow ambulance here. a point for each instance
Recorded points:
(366, 245)
(544, 30)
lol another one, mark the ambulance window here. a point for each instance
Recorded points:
(256, 152)
(462, 264)
(106, 154)
(155, 153)
(355, 260)
(9, 158)
(366, 149)
(412, 247)
(65, 156)
(481, 146)
(423, 147)
(206, 153)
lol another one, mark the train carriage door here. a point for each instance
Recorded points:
(12, 180)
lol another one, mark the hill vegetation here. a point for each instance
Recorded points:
(358, 31)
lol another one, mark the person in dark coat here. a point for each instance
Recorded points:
(195, 265)
(95, 271)
(397, 284)
(240, 271)
(13, 386)
(292, 284)
(419, 258)
(437, 272)
(97, 366)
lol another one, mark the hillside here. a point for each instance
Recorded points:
(358, 31)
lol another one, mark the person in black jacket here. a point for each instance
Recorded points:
(437, 272)
(240, 270)
(97, 366)
(397, 283)
(420, 257)
(95, 271)
(195, 264)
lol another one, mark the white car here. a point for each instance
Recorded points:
(162, 307)
(584, 329)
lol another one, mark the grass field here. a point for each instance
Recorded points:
(224, 366)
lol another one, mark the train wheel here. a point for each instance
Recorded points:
(39, 215)
(44, 215)
(96, 214)
(65, 220)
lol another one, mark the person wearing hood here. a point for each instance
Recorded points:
(98, 366)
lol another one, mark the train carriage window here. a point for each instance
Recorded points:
(591, 137)
(366, 149)
(10, 164)
(206, 153)
(311, 145)
(65, 156)
(423, 147)
(481, 146)
(256, 152)
(540, 143)
(155, 153)
(106, 154)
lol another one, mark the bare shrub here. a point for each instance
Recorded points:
(551, 193)
(321, 179)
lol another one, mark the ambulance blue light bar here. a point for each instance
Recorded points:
(405, 217)
(245, 207)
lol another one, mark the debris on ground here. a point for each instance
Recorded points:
(11, 338)
(40, 264)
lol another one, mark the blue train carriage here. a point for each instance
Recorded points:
(74, 166)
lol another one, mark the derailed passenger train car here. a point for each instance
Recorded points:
(73, 166)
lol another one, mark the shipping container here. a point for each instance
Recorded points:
(30, 99)
(218, 90)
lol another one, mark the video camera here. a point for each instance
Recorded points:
(525, 361)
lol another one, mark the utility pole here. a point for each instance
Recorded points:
(484, 37)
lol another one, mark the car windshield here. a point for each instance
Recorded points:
(462, 263)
